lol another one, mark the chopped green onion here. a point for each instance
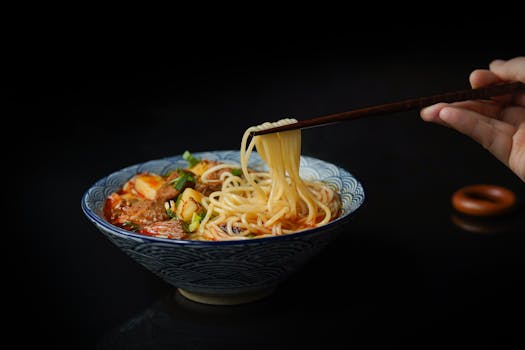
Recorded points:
(177, 201)
(170, 208)
(236, 172)
(195, 222)
(182, 180)
(132, 226)
(192, 161)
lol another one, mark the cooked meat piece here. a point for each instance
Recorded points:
(180, 179)
(208, 187)
(177, 173)
(214, 183)
(167, 192)
(125, 209)
(173, 229)
(174, 174)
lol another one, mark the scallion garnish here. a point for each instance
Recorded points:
(170, 208)
(236, 172)
(192, 161)
(131, 226)
(177, 201)
(182, 180)
(195, 222)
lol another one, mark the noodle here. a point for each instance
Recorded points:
(260, 204)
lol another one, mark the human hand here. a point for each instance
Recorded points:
(497, 124)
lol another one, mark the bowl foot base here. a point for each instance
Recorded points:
(221, 299)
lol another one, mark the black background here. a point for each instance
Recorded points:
(403, 273)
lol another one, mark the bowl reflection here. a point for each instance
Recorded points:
(176, 322)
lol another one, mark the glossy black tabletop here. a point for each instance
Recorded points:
(404, 272)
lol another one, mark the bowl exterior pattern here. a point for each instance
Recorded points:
(228, 267)
(223, 269)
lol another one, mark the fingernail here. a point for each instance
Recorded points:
(430, 112)
(496, 63)
(433, 108)
(445, 114)
(426, 113)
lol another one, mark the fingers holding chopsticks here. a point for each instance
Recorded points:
(497, 124)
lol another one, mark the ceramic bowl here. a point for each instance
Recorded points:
(225, 272)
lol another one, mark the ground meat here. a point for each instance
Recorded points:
(235, 229)
(173, 229)
(122, 211)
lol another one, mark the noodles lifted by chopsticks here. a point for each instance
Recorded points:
(266, 203)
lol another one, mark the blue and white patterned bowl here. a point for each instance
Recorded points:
(225, 272)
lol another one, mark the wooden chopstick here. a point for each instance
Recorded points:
(401, 106)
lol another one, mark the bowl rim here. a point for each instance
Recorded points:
(98, 220)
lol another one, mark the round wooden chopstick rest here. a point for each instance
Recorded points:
(483, 200)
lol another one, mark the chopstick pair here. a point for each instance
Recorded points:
(402, 106)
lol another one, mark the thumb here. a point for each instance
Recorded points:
(513, 69)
